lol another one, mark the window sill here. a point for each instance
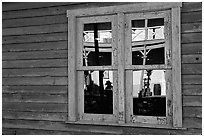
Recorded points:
(139, 125)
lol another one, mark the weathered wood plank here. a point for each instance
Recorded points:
(34, 21)
(35, 29)
(191, 69)
(192, 122)
(7, 131)
(191, 79)
(191, 59)
(191, 48)
(7, 6)
(35, 81)
(191, 27)
(59, 126)
(58, 45)
(34, 38)
(38, 98)
(192, 90)
(53, 10)
(35, 63)
(39, 107)
(54, 54)
(194, 112)
(192, 101)
(34, 72)
(191, 17)
(35, 89)
(191, 6)
(191, 38)
(34, 115)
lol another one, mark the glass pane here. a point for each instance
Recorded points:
(98, 92)
(138, 30)
(149, 93)
(148, 55)
(155, 28)
(97, 39)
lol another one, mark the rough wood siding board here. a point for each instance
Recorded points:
(191, 59)
(191, 48)
(42, 29)
(36, 72)
(192, 123)
(58, 45)
(191, 17)
(34, 115)
(192, 101)
(54, 54)
(192, 79)
(35, 63)
(34, 107)
(35, 81)
(193, 112)
(9, 6)
(192, 89)
(34, 21)
(35, 98)
(34, 38)
(191, 69)
(191, 6)
(191, 38)
(43, 89)
(191, 27)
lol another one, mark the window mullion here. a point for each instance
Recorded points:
(121, 68)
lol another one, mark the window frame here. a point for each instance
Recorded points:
(120, 12)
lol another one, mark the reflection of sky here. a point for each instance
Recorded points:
(89, 37)
(157, 77)
(95, 78)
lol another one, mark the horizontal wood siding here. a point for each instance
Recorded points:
(34, 62)
(191, 38)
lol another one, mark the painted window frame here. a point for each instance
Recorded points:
(119, 12)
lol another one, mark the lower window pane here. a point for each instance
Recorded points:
(98, 92)
(149, 93)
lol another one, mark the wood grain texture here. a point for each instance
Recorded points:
(35, 72)
(34, 21)
(35, 63)
(53, 54)
(191, 27)
(34, 107)
(43, 89)
(193, 112)
(191, 48)
(191, 38)
(191, 90)
(35, 81)
(35, 29)
(191, 79)
(35, 98)
(34, 38)
(192, 101)
(192, 123)
(191, 69)
(191, 17)
(191, 6)
(58, 45)
(191, 59)
(34, 115)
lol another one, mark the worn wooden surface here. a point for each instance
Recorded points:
(34, 45)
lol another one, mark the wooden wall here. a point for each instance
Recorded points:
(34, 53)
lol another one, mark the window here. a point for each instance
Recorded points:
(124, 65)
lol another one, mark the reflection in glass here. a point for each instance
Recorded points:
(98, 92)
(155, 28)
(97, 49)
(149, 93)
(138, 30)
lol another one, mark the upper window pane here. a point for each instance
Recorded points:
(138, 30)
(97, 48)
(155, 28)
